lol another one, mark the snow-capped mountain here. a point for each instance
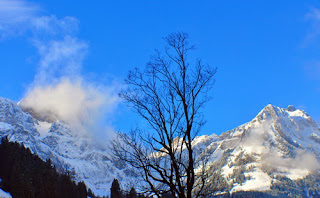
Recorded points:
(277, 144)
(79, 155)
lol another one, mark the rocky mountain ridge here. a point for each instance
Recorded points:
(277, 145)
(79, 155)
(256, 156)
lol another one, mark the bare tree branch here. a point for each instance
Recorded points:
(169, 95)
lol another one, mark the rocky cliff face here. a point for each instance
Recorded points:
(277, 146)
(79, 155)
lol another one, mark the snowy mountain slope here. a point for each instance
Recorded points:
(278, 143)
(79, 155)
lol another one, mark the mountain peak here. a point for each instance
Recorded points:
(274, 143)
(291, 108)
(275, 112)
(269, 112)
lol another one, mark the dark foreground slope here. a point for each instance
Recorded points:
(25, 175)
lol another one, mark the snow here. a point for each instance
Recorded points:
(217, 154)
(204, 138)
(4, 194)
(266, 138)
(43, 128)
(5, 126)
(259, 181)
(226, 170)
(93, 164)
(294, 173)
(297, 113)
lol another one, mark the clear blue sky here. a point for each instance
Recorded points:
(267, 52)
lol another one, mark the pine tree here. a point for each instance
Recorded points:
(115, 189)
(132, 193)
(24, 174)
(90, 193)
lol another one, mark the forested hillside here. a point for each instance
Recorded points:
(25, 175)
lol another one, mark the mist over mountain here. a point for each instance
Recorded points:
(276, 152)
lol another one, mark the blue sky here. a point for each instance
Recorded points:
(267, 52)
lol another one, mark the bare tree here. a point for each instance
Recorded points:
(169, 95)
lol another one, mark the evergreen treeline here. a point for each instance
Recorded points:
(308, 186)
(24, 174)
(252, 194)
(116, 192)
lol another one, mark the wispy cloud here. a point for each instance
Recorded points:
(16, 11)
(53, 26)
(83, 105)
(312, 39)
(58, 85)
(15, 16)
(59, 58)
(313, 16)
(312, 69)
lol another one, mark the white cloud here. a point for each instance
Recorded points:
(81, 104)
(15, 17)
(302, 160)
(312, 68)
(312, 16)
(53, 26)
(58, 85)
(59, 58)
(256, 140)
(60, 89)
(16, 11)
